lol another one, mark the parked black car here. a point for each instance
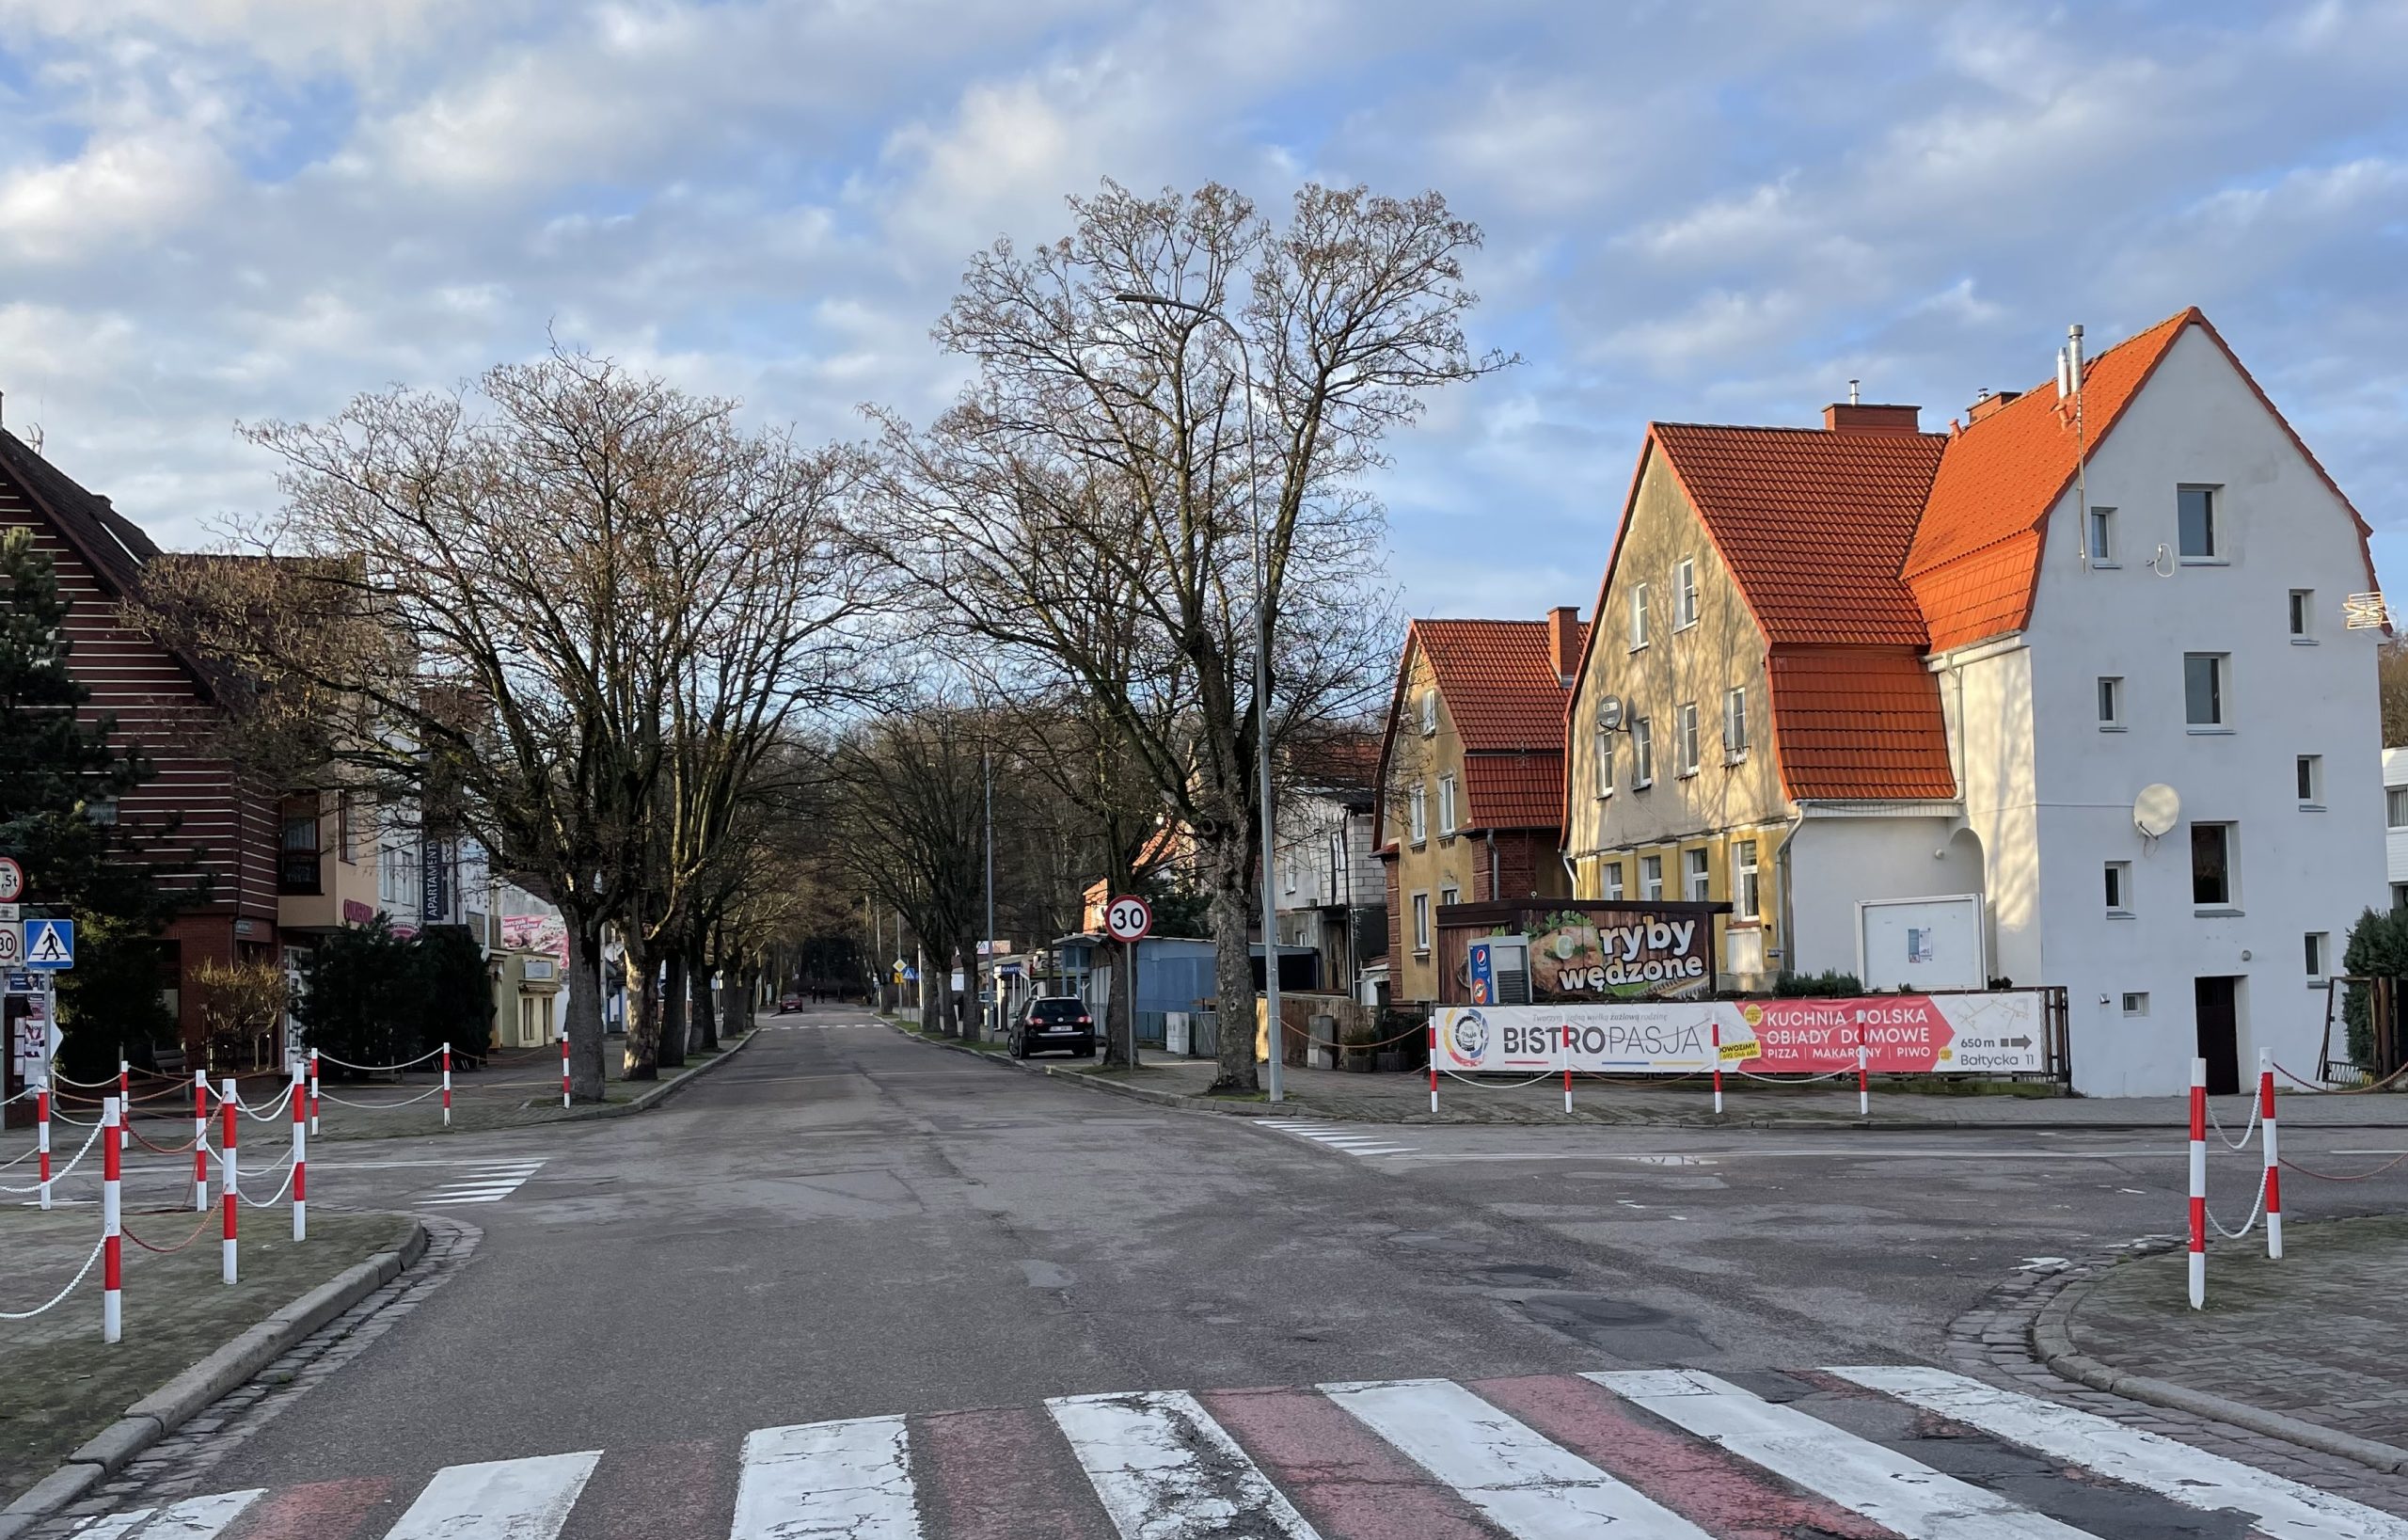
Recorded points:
(1054, 1021)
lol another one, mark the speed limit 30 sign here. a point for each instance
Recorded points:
(1129, 918)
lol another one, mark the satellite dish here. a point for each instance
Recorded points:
(2156, 810)
(1610, 713)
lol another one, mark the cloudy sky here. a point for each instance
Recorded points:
(221, 210)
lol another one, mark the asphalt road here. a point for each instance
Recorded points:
(845, 1223)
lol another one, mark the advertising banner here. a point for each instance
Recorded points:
(1992, 1033)
(1581, 951)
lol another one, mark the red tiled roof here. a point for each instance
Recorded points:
(1515, 790)
(1858, 722)
(1498, 680)
(1813, 524)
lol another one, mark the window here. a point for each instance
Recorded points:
(2395, 804)
(1745, 895)
(1613, 879)
(1734, 726)
(1642, 754)
(1685, 596)
(2110, 703)
(2119, 887)
(1697, 876)
(2320, 946)
(2302, 614)
(1637, 616)
(1420, 820)
(2203, 687)
(1429, 713)
(2201, 534)
(1449, 896)
(2136, 1002)
(1421, 922)
(2102, 537)
(2311, 780)
(1446, 804)
(2212, 865)
(1604, 763)
(346, 828)
(1651, 879)
(1689, 738)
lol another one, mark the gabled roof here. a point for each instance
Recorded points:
(1503, 694)
(1858, 721)
(110, 544)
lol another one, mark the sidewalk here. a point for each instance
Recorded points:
(1394, 1098)
(2313, 1339)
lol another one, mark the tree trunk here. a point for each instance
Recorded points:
(1227, 869)
(735, 1001)
(973, 1013)
(642, 1055)
(584, 1016)
(704, 1022)
(675, 1029)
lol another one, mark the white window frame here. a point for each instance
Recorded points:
(2219, 688)
(1446, 806)
(1697, 875)
(1684, 593)
(2299, 616)
(1651, 879)
(2116, 888)
(2309, 779)
(1609, 879)
(2110, 691)
(2102, 537)
(2135, 1001)
(2395, 807)
(1640, 622)
(1604, 782)
(1417, 820)
(1686, 741)
(1735, 725)
(1642, 754)
(2316, 954)
(1747, 893)
(1450, 895)
(1422, 923)
(2219, 552)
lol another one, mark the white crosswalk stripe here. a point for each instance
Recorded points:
(1533, 1488)
(1166, 1470)
(1159, 1466)
(2285, 1510)
(483, 1183)
(1337, 1136)
(1905, 1495)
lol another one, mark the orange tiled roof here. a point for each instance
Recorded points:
(1858, 722)
(1515, 790)
(1499, 681)
(1813, 524)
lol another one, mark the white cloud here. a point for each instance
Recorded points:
(134, 186)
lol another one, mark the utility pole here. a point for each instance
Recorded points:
(987, 763)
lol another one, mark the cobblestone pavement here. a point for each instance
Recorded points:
(1394, 1098)
(2315, 1336)
(180, 1465)
(1993, 1342)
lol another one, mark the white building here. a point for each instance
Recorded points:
(1332, 890)
(2395, 818)
(2136, 577)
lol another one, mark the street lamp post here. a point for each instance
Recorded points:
(1271, 1028)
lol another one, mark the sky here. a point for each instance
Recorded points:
(223, 211)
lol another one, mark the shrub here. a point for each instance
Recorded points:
(358, 1000)
(2378, 949)
(241, 1005)
(1831, 982)
(455, 996)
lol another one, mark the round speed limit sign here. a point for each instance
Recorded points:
(12, 880)
(1129, 918)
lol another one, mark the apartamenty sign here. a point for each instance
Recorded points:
(1998, 1032)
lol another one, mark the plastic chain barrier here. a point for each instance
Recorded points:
(1306, 1035)
(81, 1273)
(169, 1250)
(2343, 1176)
(267, 1113)
(2312, 1089)
(1509, 1086)
(2251, 1223)
(2248, 1130)
(405, 1064)
(2269, 1202)
(135, 1134)
(384, 1107)
(18, 1160)
(1793, 1079)
(60, 1175)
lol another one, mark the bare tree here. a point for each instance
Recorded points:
(1099, 480)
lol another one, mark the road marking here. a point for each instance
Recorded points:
(488, 1184)
(851, 1479)
(1354, 1141)
(1530, 1486)
(498, 1500)
(2285, 1510)
(194, 1518)
(1905, 1495)
(1165, 1470)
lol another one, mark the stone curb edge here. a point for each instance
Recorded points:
(171, 1406)
(2052, 1344)
(651, 1098)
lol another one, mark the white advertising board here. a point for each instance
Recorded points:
(1994, 1032)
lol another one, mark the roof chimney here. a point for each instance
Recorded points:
(1563, 641)
(1868, 417)
(1992, 401)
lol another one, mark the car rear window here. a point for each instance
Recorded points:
(1059, 1010)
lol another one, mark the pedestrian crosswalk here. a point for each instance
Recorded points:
(1645, 1455)
(819, 1026)
(482, 1184)
(1353, 1140)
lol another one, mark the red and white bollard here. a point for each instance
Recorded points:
(230, 1178)
(1863, 1097)
(1566, 1048)
(2274, 1157)
(124, 1095)
(300, 1155)
(200, 1141)
(313, 1090)
(446, 1084)
(564, 1066)
(1433, 1064)
(1718, 1069)
(2198, 1184)
(41, 1133)
(112, 1311)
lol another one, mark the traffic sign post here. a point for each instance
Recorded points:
(1128, 919)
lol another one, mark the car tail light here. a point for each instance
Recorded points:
(1087, 1021)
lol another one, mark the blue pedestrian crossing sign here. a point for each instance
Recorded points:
(49, 944)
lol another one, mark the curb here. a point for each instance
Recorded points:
(2052, 1344)
(1081, 1079)
(171, 1406)
(651, 1098)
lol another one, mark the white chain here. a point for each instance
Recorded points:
(27, 1315)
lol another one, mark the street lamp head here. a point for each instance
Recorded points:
(1134, 298)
